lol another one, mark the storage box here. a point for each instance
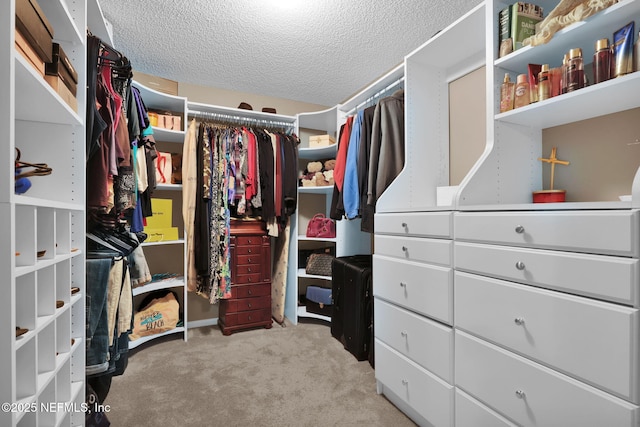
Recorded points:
(162, 214)
(35, 27)
(167, 234)
(27, 51)
(61, 89)
(61, 66)
(160, 84)
(318, 300)
(317, 141)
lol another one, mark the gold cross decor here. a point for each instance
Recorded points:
(553, 160)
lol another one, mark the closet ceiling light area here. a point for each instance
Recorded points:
(316, 51)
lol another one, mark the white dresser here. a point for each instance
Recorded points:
(546, 316)
(413, 306)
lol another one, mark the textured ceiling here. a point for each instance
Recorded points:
(316, 51)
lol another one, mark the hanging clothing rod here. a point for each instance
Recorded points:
(237, 119)
(376, 95)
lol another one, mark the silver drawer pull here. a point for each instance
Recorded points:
(520, 394)
(520, 265)
(519, 321)
(405, 249)
(519, 229)
(404, 225)
(403, 333)
(403, 285)
(405, 382)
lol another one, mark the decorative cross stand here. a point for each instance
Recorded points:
(551, 195)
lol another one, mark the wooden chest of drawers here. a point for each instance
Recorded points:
(250, 302)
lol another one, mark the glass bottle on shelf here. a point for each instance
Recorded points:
(602, 61)
(522, 95)
(544, 83)
(563, 79)
(575, 70)
(506, 94)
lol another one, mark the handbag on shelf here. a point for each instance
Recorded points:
(319, 264)
(322, 227)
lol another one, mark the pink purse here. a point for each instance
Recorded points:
(322, 227)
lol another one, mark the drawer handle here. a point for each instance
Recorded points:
(404, 225)
(403, 285)
(249, 269)
(249, 260)
(520, 394)
(249, 305)
(519, 229)
(519, 321)
(249, 292)
(405, 382)
(404, 334)
(520, 265)
(405, 249)
(248, 251)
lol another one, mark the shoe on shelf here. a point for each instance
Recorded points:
(75, 290)
(59, 304)
(20, 331)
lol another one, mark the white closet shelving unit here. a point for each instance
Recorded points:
(542, 327)
(45, 366)
(349, 239)
(166, 256)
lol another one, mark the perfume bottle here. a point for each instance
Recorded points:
(522, 96)
(563, 79)
(602, 61)
(575, 70)
(544, 83)
(506, 94)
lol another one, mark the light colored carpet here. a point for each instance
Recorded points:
(283, 376)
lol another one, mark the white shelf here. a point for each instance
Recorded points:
(168, 242)
(49, 107)
(317, 153)
(135, 343)
(168, 135)
(325, 189)
(302, 312)
(302, 274)
(302, 237)
(158, 285)
(169, 187)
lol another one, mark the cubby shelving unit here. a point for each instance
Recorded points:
(43, 230)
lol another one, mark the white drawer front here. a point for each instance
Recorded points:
(428, 343)
(436, 251)
(532, 395)
(592, 340)
(598, 232)
(428, 395)
(424, 224)
(426, 289)
(471, 413)
(601, 276)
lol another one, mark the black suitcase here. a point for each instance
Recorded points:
(352, 316)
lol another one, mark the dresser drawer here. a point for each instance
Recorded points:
(436, 251)
(591, 340)
(471, 413)
(421, 224)
(245, 304)
(246, 278)
(424, 288)
(424, 341)
(247, 318)
(601, 276)
(425, 393)
(248, 269)
(532, 395)
(252, 259)
(598, 232)
(248, 250)
(253, 240)
(246, 291)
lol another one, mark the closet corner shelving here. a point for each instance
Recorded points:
(46, 365)
(166, 256)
